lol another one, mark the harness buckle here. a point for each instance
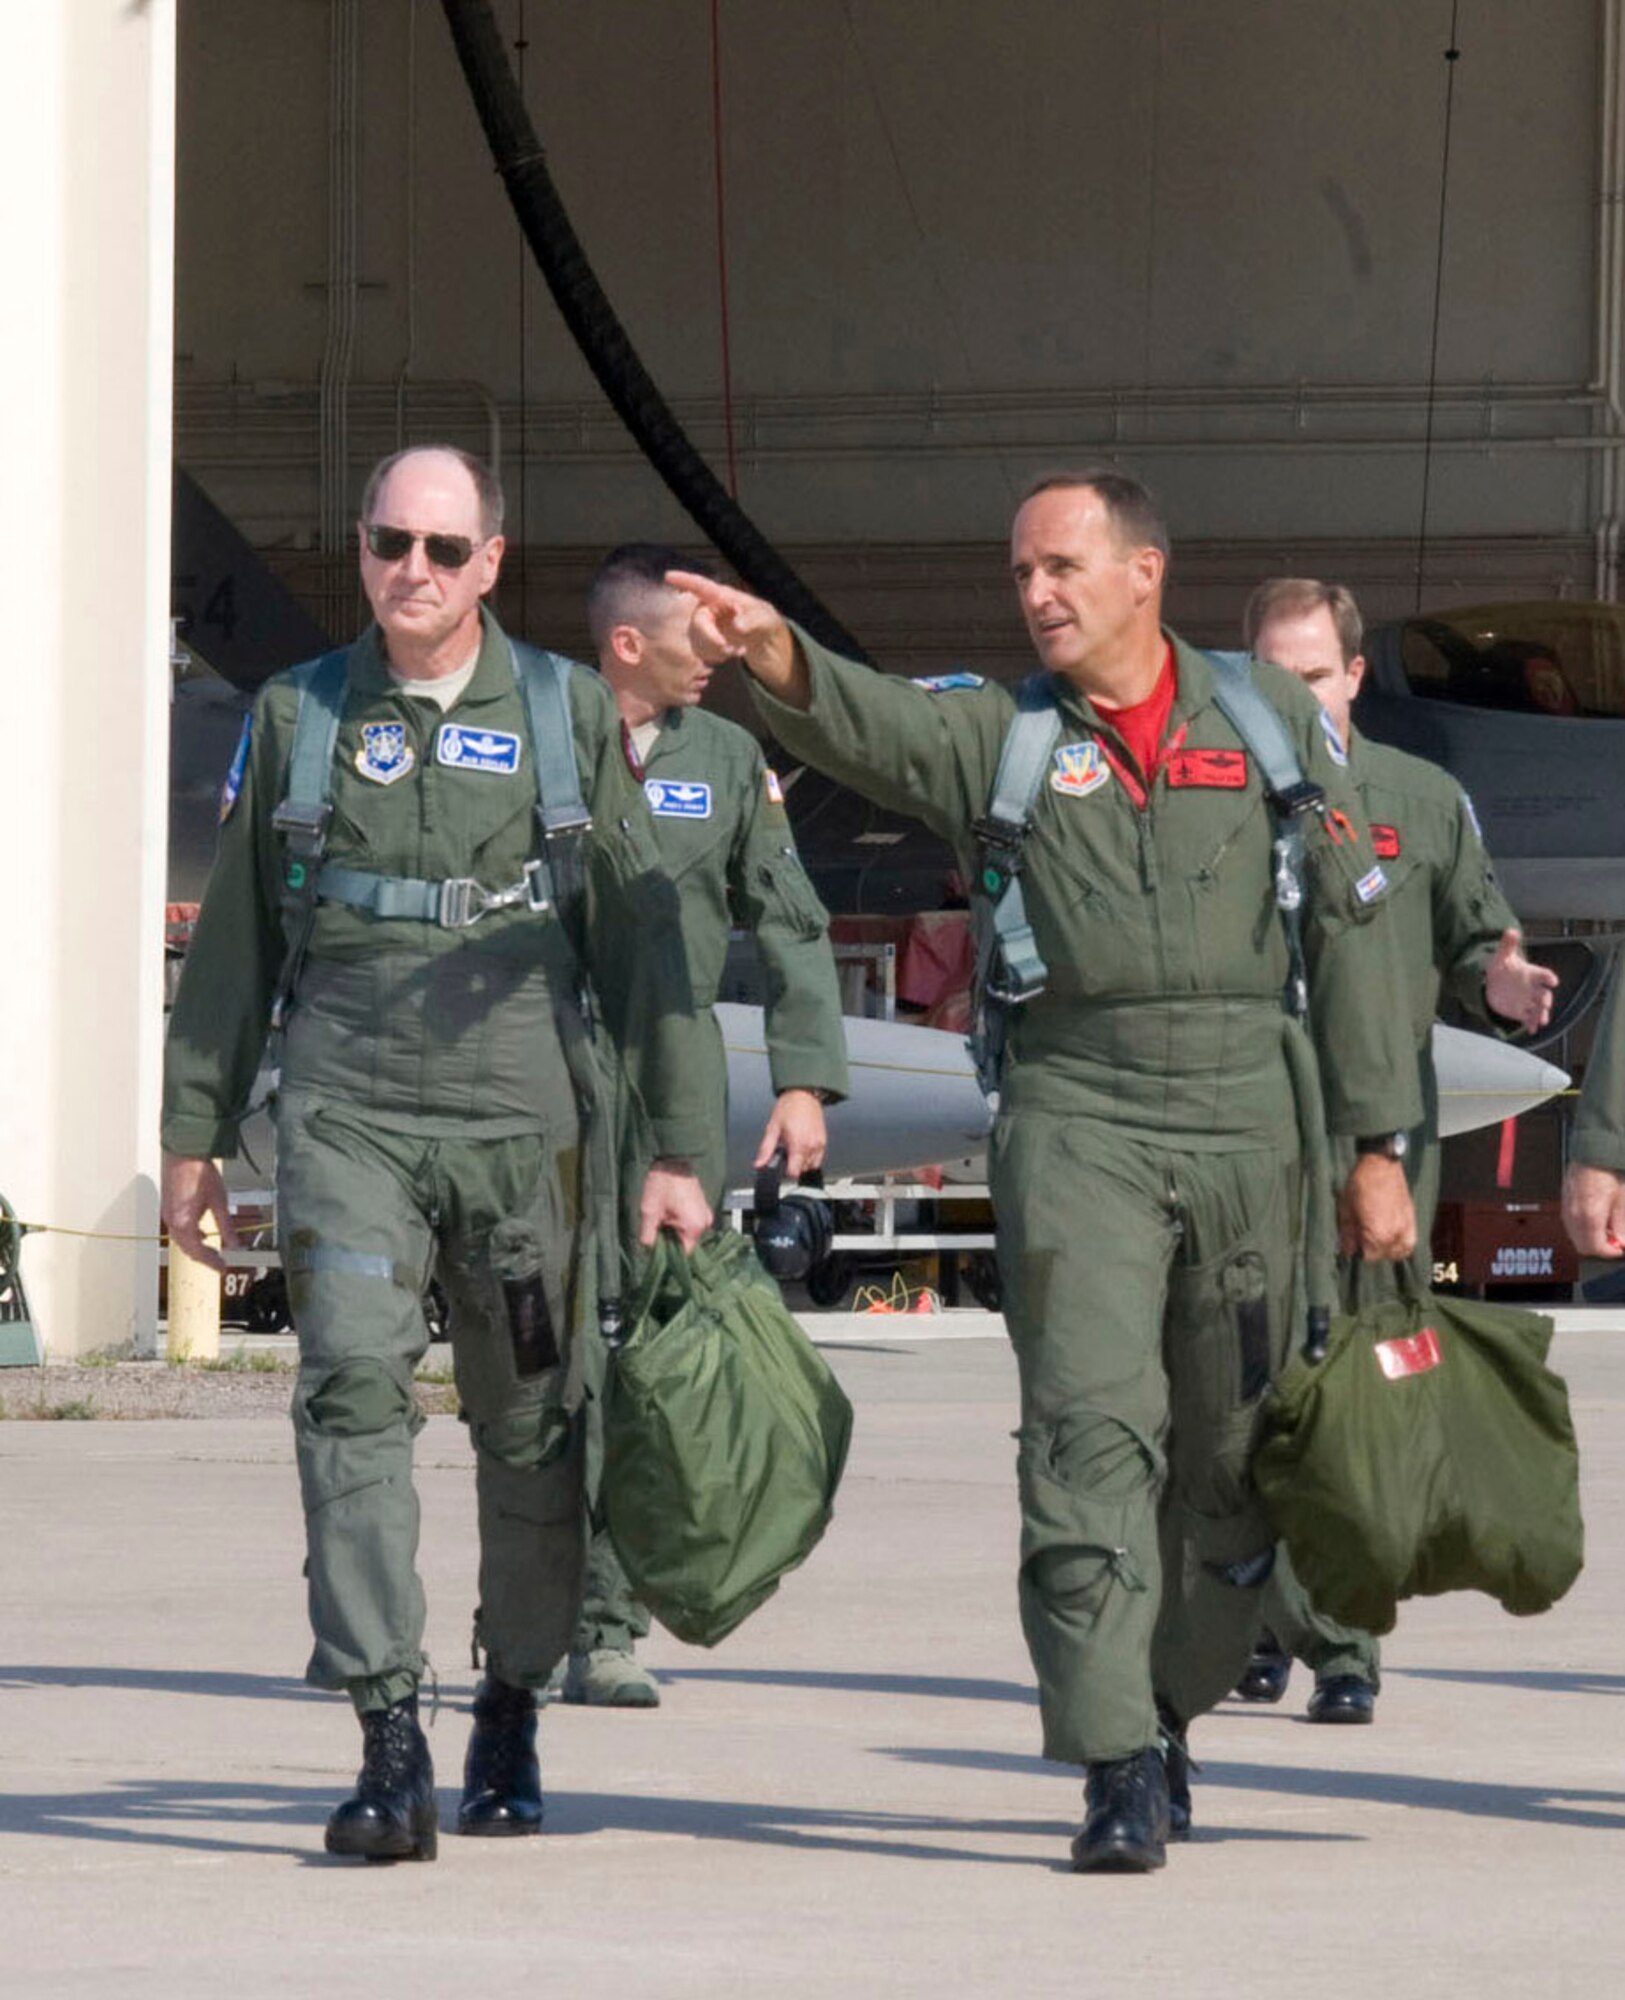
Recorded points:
(537, 886)
(462, 903)
(1304, 797)
(557, 820)
(303, 826)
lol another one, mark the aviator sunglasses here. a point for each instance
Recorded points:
(443, 551)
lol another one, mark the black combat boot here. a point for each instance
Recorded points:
(502, 1783)
(392, 1816)
(1343, 1698)
(1268, 1671)
(1125, 1828)
(1176, 1762)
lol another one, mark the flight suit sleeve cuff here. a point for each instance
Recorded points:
(1598, 1149)
(679, 1138)
(793, 1076)
(199, 1138)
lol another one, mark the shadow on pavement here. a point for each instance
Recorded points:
(954, 1688)
(152, 1680)
(255, 1818)
(1548, 1681)
(1566, 1806)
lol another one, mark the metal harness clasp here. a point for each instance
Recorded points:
(463, 901)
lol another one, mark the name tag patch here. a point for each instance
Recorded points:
(949, 683)
(1334, 742)
(1079, 770)
(678, 798)
(1385, 842)
(1208, 770)
(385, 754)
(467, 749)
(1371, 885)
(1412, 1356)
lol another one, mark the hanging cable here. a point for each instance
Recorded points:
(521, 43)
(1452, 56)
(722, 252)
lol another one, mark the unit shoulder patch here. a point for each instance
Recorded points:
(233, 782)
(1208, 770)
(678, 798)
(771, 785)
(465, 749)
(1079, 770)
(1472, 815)
(385, 755)
(954, 683)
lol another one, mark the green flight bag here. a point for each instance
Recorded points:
(725, 1435)
(1431, 1449)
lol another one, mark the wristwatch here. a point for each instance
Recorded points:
(1390, 1145)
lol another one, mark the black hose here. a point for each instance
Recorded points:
(603, 341)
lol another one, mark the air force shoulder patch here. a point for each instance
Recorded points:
(949, 683)
(385, 754)
(467, 749)
(239, 765)
(1079, 770)
(678, 798)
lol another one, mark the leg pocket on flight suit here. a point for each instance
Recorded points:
(1085, 1486)
(1221, 1357)
(514, 1300)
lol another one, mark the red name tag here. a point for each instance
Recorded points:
(1385, 840)
(1215, 770)
(1413, 1356)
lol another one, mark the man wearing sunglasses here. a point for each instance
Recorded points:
(408, 889)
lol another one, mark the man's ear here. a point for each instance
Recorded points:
(626, 643)
(1356, 674)
(491, 558)
(1148, 567)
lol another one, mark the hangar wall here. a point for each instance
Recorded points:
(964, 243)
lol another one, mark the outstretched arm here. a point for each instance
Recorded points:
(729, 624)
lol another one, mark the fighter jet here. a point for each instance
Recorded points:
(1524, 704)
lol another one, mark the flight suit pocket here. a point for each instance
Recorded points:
(784, 881)
(520, 1283)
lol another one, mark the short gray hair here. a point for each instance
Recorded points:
(486, 484)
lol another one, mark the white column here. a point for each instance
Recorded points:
(87, 114)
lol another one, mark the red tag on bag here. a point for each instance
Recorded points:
(1212, 770)
(1414, 1355)
(1385, 842)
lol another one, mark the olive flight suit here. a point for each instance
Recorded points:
(1598, 1136)
(431, 1122)
(725, 840)
(1448, 913)
(1145, 1162)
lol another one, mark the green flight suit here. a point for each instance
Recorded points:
(1145, 1162)
(726, 842)
(430, 1121)
(1598, 1135)
(1448, 914)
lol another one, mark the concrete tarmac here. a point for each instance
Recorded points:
(845, 1798)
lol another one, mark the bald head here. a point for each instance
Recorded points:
(487, 488)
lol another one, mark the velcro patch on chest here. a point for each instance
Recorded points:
(466, 749)
(1079, 770)
(678, 798)
(1385, 842)
(1208, 770)
(385, 754)
(1371, 885)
